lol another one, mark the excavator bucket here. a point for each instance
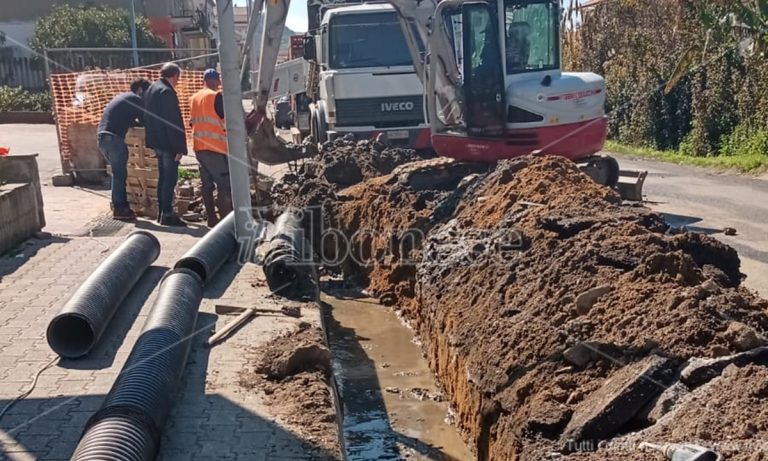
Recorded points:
(266, 147)
(630, 184)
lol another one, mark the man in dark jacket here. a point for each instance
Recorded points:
(125, 110)
(165, 135)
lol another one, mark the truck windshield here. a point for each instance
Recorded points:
(532, 35)
(367, 40)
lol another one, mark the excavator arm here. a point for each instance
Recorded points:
(263, 143)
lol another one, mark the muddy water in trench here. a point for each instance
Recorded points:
(392, 407)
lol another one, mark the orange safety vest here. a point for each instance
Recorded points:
(208, 130)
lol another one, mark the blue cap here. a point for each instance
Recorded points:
(211, 74)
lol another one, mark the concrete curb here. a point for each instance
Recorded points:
(27, 117)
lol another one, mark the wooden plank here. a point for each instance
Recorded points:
(138, 189)
(135, 137)
(145, 173)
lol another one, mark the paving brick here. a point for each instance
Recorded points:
(36, 443)
(177, 440)
(219, 449)
(222, 417)
(43, 426)
(248, 442)
(77, 419)
(176, 454)
(187, 425)
(61, 449)
(255, 455)
(26, 456)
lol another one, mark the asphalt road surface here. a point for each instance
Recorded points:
(707, 201)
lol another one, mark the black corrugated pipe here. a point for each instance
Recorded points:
(289, 264)
(129, 422)
(212, 251)
(83, 319)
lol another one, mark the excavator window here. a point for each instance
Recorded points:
(483, 73)
(532, 35)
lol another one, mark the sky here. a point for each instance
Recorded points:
(297, 15)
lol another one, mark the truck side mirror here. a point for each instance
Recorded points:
(310, 53)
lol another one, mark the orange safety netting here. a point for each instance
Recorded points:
(80, 97)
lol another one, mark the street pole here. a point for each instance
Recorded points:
(134, 43)
(247, 231)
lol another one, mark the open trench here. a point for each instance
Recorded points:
(559, 322)
(391, 405)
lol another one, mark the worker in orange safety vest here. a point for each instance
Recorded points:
(210, 144)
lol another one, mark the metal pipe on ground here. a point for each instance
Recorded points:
(80, 323)
(130, 421)
(289, 264)
(212, 251)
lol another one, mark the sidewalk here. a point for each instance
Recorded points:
(213, 417)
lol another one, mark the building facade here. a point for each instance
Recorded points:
(180, 23)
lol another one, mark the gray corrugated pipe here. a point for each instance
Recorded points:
(81, 322)
(129, 422)
(289, 264)
(212, 251)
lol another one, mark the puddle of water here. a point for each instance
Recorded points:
(390, 400)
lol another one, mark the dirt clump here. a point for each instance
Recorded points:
(385, 237)
(501, 273)
(293, 374)
(339, 164)
(294, 353)
(314, 186)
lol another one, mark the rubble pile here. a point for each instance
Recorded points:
(313, 187)
(555, 317)
(293, 372)
(340, 163)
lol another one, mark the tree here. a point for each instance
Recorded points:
(98, 27)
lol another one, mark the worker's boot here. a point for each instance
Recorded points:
(224, 202)
(210, 210)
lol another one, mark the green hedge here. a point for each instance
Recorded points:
(679, 76)
(18, 99)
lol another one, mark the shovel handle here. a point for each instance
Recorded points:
(228, 328)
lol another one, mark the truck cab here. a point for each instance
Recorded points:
(367, 84)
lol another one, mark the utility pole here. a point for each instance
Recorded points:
(134, 43)
(246, 229)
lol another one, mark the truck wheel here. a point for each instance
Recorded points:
(318, 134)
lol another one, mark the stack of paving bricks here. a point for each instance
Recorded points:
(142, 175)
(80, 98)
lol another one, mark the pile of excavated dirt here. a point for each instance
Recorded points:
(293, 372)
(340, 163)
(314, 186)
(554, 316)
(385, 237)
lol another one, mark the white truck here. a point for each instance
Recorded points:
(361, 78)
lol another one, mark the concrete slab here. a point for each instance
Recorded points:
(603, 413)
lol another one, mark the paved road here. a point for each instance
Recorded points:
(707, 201)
